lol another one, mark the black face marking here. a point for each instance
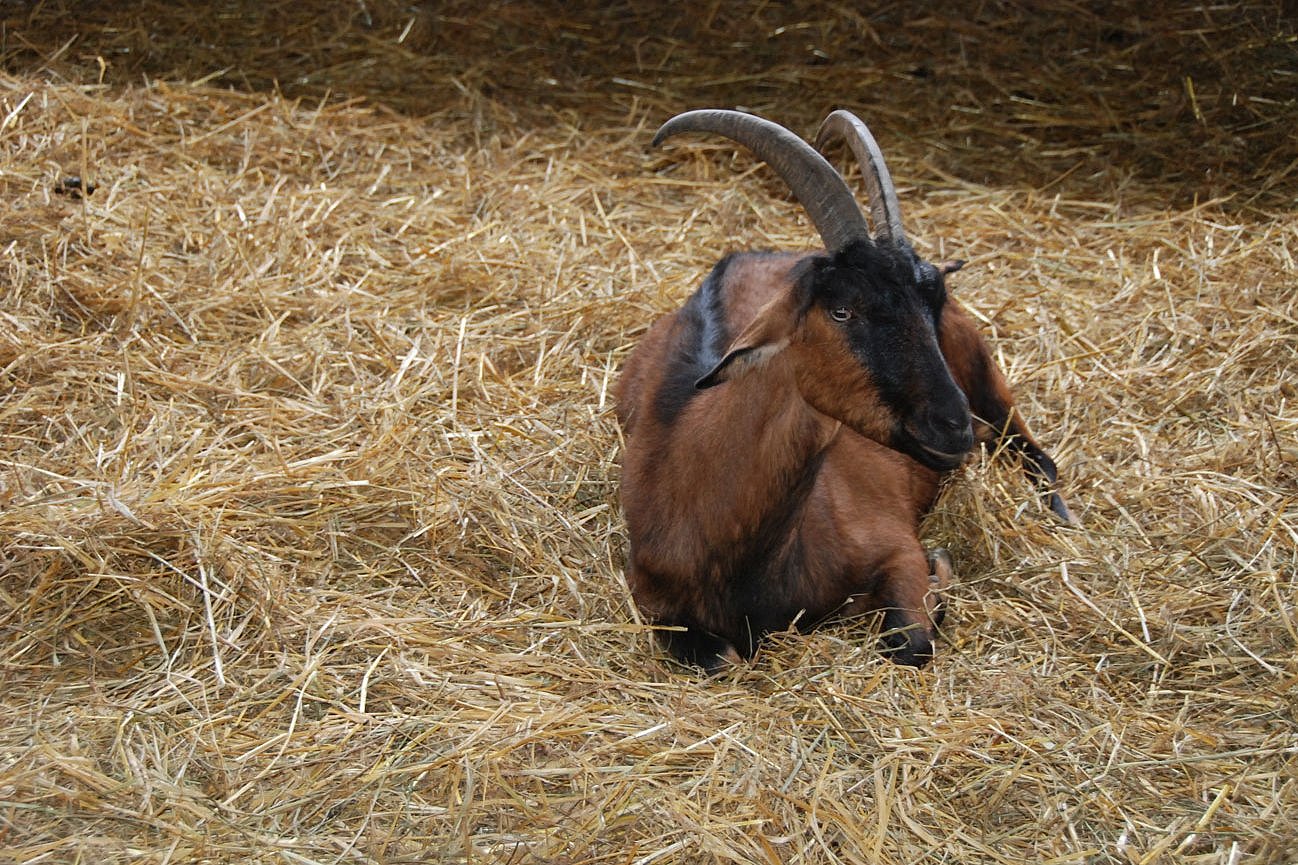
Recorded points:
(893, 320)
(896, 302)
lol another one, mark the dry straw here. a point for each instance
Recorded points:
(309, 540)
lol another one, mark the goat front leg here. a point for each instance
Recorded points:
(996, 419)
(910, 596)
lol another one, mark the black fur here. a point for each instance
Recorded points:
(700, 347)
(694, 646)
(763, 572)
(898, 300)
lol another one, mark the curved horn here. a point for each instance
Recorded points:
(885, 212)
(820, 189)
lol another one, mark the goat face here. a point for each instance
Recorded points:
(859, 325)
(878, 311)
(858, 329)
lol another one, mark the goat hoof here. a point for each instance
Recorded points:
(940, 569)
(904, 640)
(940, 574)
(723, 660)
(696, 647)
(909, 647)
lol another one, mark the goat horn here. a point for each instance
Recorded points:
(820, 189)
(885, 212)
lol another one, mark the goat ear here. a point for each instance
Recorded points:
(765, 337)
(738, 360)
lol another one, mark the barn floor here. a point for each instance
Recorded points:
(310, 549)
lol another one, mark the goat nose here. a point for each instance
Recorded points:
(950, 422)
(953, 428)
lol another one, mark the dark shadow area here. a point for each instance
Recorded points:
(1184, 101)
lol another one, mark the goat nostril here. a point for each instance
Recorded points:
(956, 431)
(951, 423)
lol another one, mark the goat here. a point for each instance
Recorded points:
(788, 427)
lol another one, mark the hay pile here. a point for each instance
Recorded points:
(309, 545)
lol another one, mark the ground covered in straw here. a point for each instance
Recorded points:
(309, 539)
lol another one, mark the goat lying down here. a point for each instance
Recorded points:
(788, 427)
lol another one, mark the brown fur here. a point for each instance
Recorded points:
(763, 463)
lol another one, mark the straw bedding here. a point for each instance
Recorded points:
(309, 539)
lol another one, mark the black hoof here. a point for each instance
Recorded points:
(905, 642)
(694, 647)
(900, 648)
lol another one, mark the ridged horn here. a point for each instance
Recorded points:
(820, 189)
(885, 211)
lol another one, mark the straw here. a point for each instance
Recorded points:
(310, 547)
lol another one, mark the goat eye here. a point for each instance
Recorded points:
(840, 313)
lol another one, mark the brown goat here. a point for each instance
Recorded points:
(788, 427)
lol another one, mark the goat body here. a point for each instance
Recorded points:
(786, 430)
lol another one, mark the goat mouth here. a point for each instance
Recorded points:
(939, 460)
(944, 458)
